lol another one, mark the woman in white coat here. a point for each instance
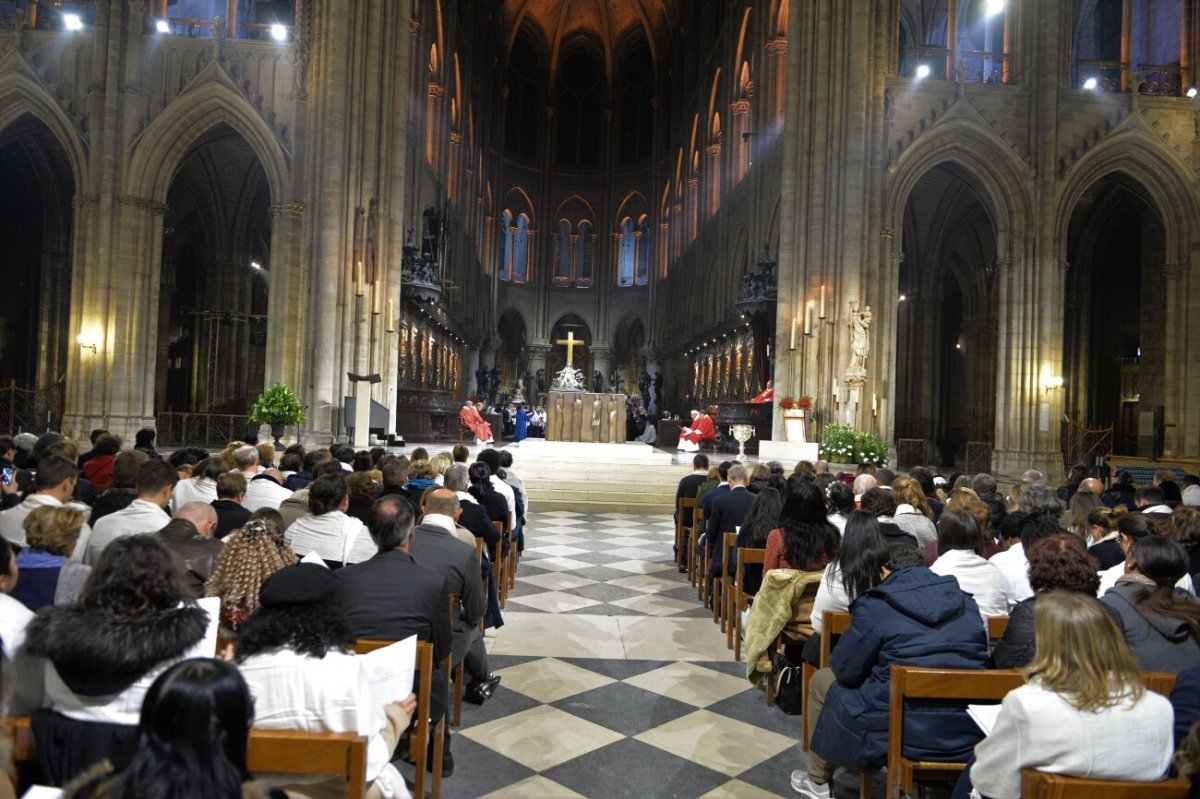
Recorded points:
(1083, 710)
(960, 555)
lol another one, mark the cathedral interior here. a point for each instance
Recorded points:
(938, 219)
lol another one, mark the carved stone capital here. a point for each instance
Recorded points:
(414, 26)
(777, 46)
(287, 209)
(455, 137)
(713, 150)
(739, 107)
(437, 91)
(608, 115)
(887, 232)
(144, 203)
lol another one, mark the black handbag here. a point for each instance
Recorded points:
(789, 697)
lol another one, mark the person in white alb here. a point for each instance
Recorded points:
(263, 490)
(146, 514)
(54, 483)
(960, 555)
(336, 538)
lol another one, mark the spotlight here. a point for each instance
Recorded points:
(162, 26)
(278, 32)
(1191, 92)
(72, 22)
(255, 265)
(1090, 84)
(922, 71)
(994, 7)
(903, 298)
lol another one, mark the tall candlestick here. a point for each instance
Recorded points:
(822, 311)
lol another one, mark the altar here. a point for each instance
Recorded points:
(585, 417)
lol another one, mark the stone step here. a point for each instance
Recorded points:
(659, 499)
(598, 506)
(536, 487)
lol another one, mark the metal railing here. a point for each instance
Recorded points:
(31, 410)
(211, 430)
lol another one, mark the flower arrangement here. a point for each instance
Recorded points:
(788, 403)
(841, 443)
(804, 403)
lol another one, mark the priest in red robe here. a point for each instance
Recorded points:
(767, 394)
(470, 419)
(701, 432)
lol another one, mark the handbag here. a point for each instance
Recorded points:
(789, 697)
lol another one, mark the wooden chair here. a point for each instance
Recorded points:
(745, 555)
(833, 622)
(500, 565)
(685, 504)
(697, 531)
(996, 625)
(457, 673)
(419, 741)
(1040, 785)
(273, 751)
(910, 682)
(722, 584)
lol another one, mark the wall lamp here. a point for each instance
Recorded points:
(85, 344)
(1054, 383)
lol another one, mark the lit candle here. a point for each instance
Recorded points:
(822, 313)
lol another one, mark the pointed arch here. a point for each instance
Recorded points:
(741, 45)
(21, 95)
(1156, 169)
(156, 153)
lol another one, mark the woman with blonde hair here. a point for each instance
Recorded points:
(913, 514)
(249, 557)
(1083, 710)
(48, 575)
(440, 463)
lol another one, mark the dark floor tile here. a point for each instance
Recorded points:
(617, 669)
(623, 708)
(598, 558)
(603, 592)
(775, 774)
(503, 702)
(751, 707)
(477, 771)
(632, 768)
(604, 610)
(602, 573)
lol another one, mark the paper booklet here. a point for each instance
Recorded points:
(984, 716)
(390, 670)
(313, 557)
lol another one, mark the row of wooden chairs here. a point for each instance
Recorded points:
(342, 754)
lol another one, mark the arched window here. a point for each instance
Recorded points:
(563, 265)
(504, 259)
(583, 255)
(523, 115)
(520, 251)
(642, 251)
(580, 102)
(626, 271)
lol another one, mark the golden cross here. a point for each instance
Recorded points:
(571, 343)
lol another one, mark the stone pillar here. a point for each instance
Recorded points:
(535, 355)
(286, 292)
(1178, 403)
(601, 362)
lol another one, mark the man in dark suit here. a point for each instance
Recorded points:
(231, 490)
(687, 488)
(728, 512)
(391, 597)
(472, 516)
(721, 488)
(435, 546)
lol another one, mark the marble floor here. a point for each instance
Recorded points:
(616, 681)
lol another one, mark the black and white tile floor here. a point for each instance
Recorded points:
(616, 681)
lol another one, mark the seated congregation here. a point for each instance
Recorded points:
(106, 651)
(844, 579)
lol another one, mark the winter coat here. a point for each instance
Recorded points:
(1158, 643)
(914, 618)
(783, 604)
(1016, 646)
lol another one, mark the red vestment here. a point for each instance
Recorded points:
(702, 430)
(470, 419)
(767, 395)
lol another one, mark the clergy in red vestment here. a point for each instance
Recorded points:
(701, 431)
(470, 418)
(768, 393)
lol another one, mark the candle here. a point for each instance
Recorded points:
(822, 313)
(358, 280)
(835, 391)
(377, 291)
(808, 312)
(795, 323)
(874, 408)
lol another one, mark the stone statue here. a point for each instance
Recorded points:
(481, 382)
(614, 425)
(860, 344)
(597, 382)
(615, 382)
(541, 380)
(493, 383)
(644, 387)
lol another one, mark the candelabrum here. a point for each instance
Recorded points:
(741, 434)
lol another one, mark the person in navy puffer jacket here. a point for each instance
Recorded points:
(913, 618)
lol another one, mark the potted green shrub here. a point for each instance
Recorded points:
(278, 407)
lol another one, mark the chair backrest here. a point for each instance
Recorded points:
(996, 626)
(1040, 785)
(1159, 682)
(685, 503)
(729, 542)
(748, 556)
(293, 752)
(833, 622)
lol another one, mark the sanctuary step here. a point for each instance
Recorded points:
(601, 478)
